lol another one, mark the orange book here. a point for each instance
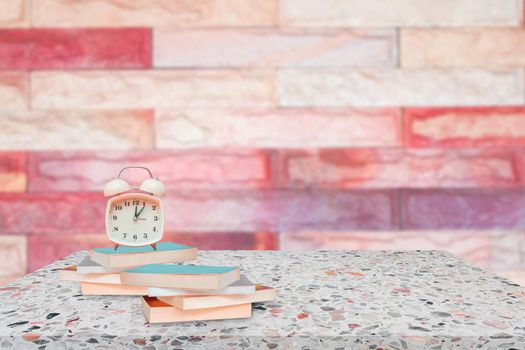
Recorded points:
(190, 302)
(111, 289)
(71, 274)
(157, 311)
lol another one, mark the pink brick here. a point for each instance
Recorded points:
(279, 128)
(508, 250)
(14, 90)
(492, 126)
(494, 250)
(13, 253)
(45, 249)
(59, 214)
(280, 210)
(14, 13)
(208, 211)
(75, 48)
(89, 171)
(226, 240)
(405, 87)
(152, 89)
(400, 13)
(462, 47)
(4, 281)
(281, 48)
(463, 209)
(385, 168)
(517, 276)
(13, 172)
(77, 129)
(153, 13)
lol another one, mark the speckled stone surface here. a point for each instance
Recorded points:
(327, 299)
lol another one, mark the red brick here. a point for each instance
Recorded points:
(45, 249)
(52, 213)
(75, 48)
(226, 240)
(455, 127)
(274, 211)
(395, 167)
(13, 172)
(462, 209)
(89, 171)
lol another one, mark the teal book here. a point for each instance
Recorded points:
(166, 252)
(189, 277)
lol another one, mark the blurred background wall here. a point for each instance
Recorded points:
(276, 124)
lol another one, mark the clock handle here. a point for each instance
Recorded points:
(135, 167)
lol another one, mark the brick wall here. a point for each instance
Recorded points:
(276, 124)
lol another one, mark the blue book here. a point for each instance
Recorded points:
(193, 277)
(166, 252)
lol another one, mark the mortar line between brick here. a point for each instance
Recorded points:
(399, 209)
(29, 90)
(30, 13)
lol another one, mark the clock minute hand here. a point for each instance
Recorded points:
(141, 209)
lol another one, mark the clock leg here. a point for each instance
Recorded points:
(154, 245)
(116, 246)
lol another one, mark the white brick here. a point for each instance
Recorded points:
(394, 87)
(400, 13)
(267, 48)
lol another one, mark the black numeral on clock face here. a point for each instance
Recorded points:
(145, 235)
(115, 229)
(127, 203)
(124, 235)
(135, 237)
(154, 229)
(153, 207)
(118, 207)
(136, 202)
(155, 218)
(114, 217)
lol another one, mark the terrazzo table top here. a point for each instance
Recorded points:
(346, 299)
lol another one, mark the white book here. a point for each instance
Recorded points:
(88, 266)
(241, 286)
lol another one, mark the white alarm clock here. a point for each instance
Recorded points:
(135, 216)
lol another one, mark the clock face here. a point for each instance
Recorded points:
(135, 219)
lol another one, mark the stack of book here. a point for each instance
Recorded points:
(170, 291)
